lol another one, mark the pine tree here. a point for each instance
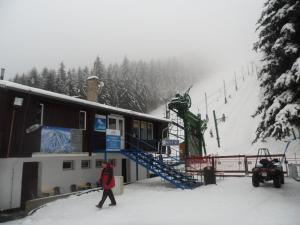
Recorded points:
(49, 78)
(71, 83)
(61, 79)
(81, 82)
(98, 69)
(279, 41)
(34, 78)
(127, 99)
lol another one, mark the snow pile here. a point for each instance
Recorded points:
(232, 201)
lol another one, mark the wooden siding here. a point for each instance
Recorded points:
(57, 113)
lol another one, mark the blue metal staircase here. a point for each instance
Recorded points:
(157, 166)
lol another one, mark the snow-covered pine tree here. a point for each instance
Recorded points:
(127, 98)
(34, 78)
(61, 80)
(82, 75)
(48, 78)
(279, 42)
(98, 69)
(71, 83)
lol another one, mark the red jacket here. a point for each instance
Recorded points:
(107, 179)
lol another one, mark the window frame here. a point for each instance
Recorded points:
(98, 160)
(68, 161)
(42, 114)
(84, 112)
(139, 128)
(148, 131)
(113, 162)
(86, 160)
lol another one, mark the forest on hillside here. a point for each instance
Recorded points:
(136, 85)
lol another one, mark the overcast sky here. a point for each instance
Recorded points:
(45, 32)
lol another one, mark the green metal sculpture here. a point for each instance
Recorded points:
(194, 127)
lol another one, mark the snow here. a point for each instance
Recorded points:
(288, 28)
(290, 77)
(23, 88)
(93, 77)
(231, 201)
(238, 131)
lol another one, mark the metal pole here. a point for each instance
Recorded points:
(236, 87)
(206, 106)
(216, 126)
(2, 74)
(11, 133)
(225, 92)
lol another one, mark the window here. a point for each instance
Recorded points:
(85, 164)
(121, 127)
(143, 130)
(98, 163)
(136, 129)
(82, 120)
(150, 131)
(112, 123)
(68, 165)
(249, 162)
(219, 163)
(112, 162)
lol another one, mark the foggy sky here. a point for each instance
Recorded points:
(45, 32)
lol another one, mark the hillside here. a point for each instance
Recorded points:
(237, 132)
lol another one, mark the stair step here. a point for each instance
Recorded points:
(166, 171)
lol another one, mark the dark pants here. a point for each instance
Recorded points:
(110, 194)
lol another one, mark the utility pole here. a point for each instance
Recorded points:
(216, 126)
(236, 87)
(206, 107)
(225, 98)
(2, 74)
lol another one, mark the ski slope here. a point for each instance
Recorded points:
(238, 131)
(232, 201)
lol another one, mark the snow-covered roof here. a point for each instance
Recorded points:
(40, 92)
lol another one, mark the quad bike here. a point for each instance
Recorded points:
(267, 169)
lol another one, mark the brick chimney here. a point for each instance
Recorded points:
(92, 88)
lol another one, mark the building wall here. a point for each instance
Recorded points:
(51, 174)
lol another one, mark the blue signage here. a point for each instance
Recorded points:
(113, 140)
(170, 142)
(100, 123)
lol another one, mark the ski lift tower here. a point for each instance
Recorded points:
(193, 126)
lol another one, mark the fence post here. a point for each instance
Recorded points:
(216, 126)
(246, 165)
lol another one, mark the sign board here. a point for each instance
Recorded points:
(61, 140)
(100, 123)
(170, 142)
(113, 140)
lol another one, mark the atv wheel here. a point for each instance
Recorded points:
(255, 180)
(277, 181)
(282, 178)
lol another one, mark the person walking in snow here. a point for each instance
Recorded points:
(107, 181)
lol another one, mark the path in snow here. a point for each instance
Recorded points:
(232, 201)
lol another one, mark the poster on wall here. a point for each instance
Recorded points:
(100, 123)
(61, 140)
(113, 140)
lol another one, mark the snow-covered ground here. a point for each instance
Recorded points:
(232, 201)
(238, 131)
